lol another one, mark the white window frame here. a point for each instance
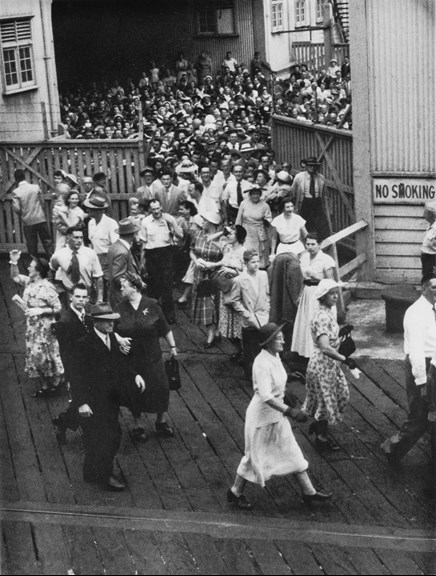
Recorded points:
(277, 15)
(17, 58)
(300, 13)
(216, 6)
(318, 10)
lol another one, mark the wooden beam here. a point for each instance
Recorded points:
(343, 233)
(352, 265)
(29, 158)
(37, 174)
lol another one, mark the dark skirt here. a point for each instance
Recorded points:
(156, 395)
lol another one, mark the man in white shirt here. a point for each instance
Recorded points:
(236, 191)
(420, 347)
(102, 231)
(157, 233)
(213, 191)
(76, 263)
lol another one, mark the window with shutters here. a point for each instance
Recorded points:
(17, 54)
(300, 12)
(216, 17)
(277, 15)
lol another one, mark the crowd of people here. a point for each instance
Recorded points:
(175, 98)
(216, 218)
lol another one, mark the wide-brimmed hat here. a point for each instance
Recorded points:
(312, 161)
(246, 147)
(96, 202)
(211, 215)
(268, 332)
(126, 227)
(325, 286)
(261, 171)
(284, 176)
(198, 220)
(103, 311)
(146, 170)
(72, 178)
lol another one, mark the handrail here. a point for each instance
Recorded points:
(334, 238)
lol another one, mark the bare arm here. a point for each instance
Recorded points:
(324, 346)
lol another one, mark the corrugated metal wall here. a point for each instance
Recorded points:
(401, 50)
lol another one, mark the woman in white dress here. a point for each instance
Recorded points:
(288, 231)
(270, 446)
(315, 266)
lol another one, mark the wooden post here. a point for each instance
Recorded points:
(44, 120)
(341, 304)
(141, 138)
(327, 23)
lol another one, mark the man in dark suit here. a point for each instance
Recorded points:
(98, 381)
(120, 259)
(72, 325)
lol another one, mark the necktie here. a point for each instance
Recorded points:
(108, 341)
(312, 186)
(239, 193)
(74, 269)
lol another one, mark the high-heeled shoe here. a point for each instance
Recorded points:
(241, 502)
(317, 497)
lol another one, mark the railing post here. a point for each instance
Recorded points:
(44, 120)
(141, 138)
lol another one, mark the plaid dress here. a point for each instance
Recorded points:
(205, 308)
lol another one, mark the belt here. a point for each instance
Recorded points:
(311, 282)
(289, 242)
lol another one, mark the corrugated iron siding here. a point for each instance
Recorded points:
(401, 50)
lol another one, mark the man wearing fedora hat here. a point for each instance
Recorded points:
(102, 231)
(120, 258)
(148, 190)
(309, 195)
(99, 379)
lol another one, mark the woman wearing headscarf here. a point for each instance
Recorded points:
(270, 446)
(327, 392)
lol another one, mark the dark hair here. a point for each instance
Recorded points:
(189, 206)
(73, 229)
(134, 280)
(427, 277)
(59, 173)
(249, 254)
(42, 266)
(19, 175)
(313, 236)
(99, 176)
(70, 193)
(78, 286)
(199, 187)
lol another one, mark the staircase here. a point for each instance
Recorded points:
(341, 12)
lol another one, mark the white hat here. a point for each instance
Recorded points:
(325, 286)
(211, 215)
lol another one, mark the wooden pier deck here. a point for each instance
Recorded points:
(173, 518)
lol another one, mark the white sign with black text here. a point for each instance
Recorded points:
(403, 190)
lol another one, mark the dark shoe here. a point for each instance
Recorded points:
(209, 344)
(182, 304)
(317, 497)
(325, 445)
(241, 502)
(312, 428)
(114, 485)
(139, 435)
(164, 428)
(43, 393)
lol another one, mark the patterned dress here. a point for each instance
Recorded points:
(327, 392)
(205, 308)
(43, 359)
(253, 217)
(229, 320)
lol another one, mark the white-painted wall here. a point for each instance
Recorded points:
(21, 116)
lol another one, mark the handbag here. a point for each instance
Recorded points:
(205, 288)
(223, 283)
(173, 373)
(347, 345)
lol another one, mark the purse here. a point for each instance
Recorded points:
(223, 283)
(205, 288)
(173, 373)
(347, 345)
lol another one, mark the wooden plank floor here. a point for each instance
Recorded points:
(174, 518)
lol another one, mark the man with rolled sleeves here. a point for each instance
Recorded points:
(99, 379)
(420, 348)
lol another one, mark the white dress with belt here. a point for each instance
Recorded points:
(270, 446)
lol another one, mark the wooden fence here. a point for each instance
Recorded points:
(313, 54)
(293, 140)
(121, 160)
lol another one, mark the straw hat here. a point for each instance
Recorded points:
(325, 286)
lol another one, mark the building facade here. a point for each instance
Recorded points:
(29, 107)
(392, 54)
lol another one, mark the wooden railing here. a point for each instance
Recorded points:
(121, 160)
(293, 140)
(313, 54)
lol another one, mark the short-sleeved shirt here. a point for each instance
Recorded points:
(155, 233)
(103, 234)
(89, 263)
(288, 229)
(429, 241)
(318, 266)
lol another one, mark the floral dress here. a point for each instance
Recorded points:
(255, 218)
(327, 393)
(205, 308)
(43, 359)
(230, 320)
